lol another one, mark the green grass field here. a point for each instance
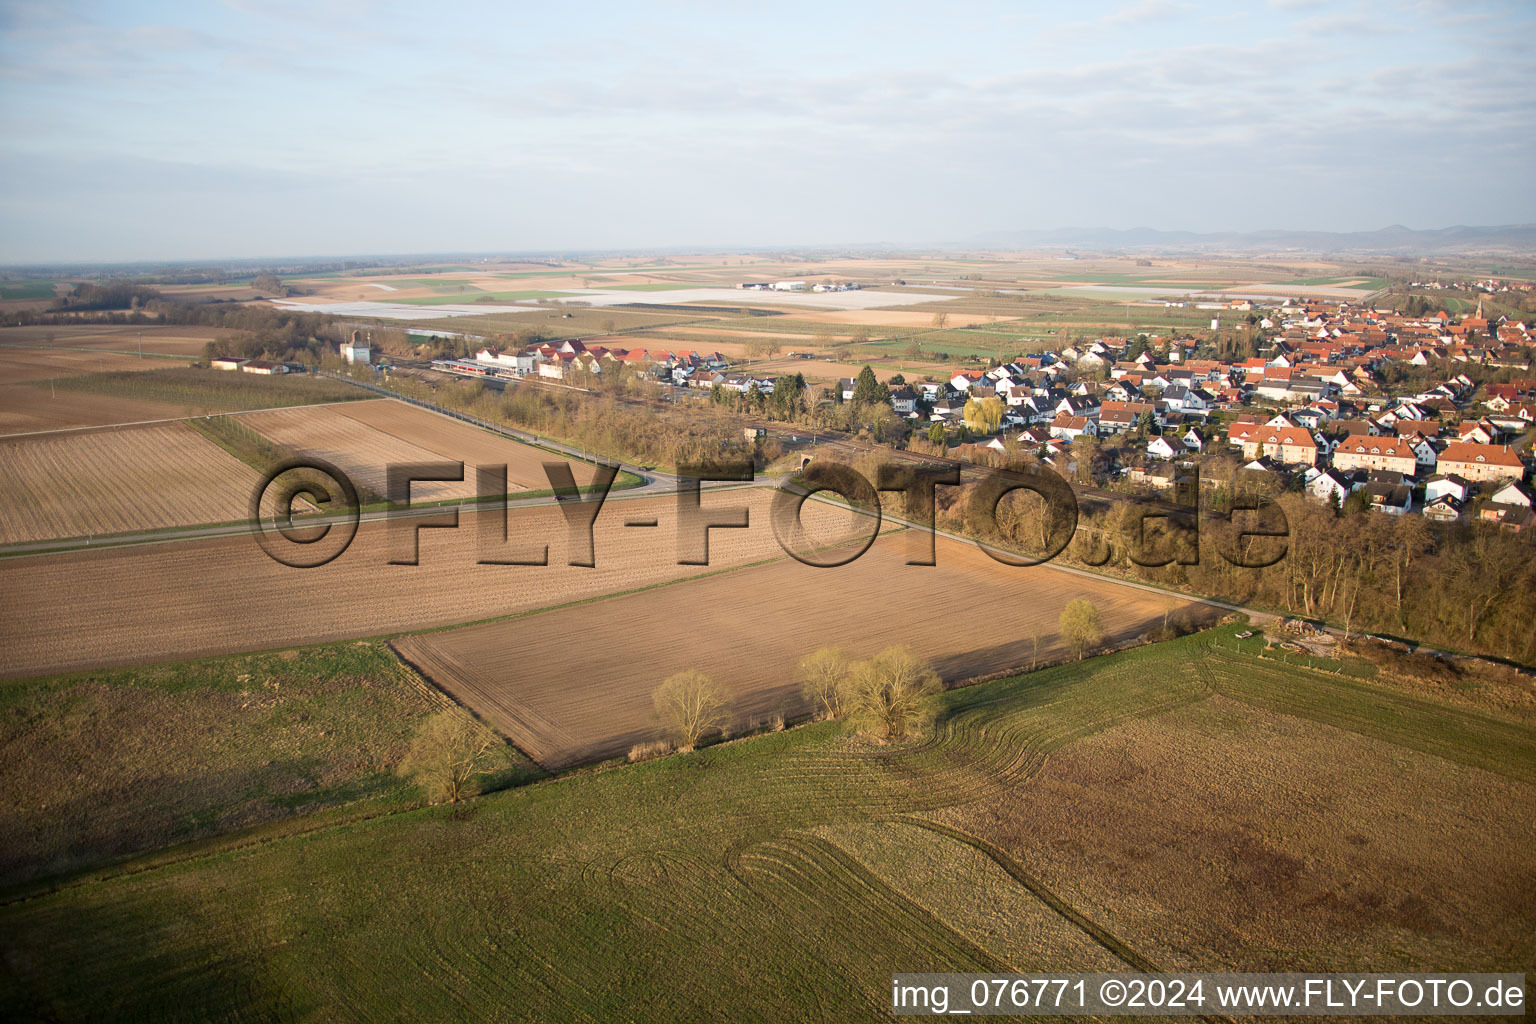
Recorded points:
(787, 876)
(14, 290)
(101, 765)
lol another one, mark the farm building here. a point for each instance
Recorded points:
(227, 363)
(357, 350)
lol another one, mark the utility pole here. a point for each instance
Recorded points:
(141, 344)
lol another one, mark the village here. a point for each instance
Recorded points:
(1343, 401)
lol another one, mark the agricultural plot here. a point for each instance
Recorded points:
(107, 764)
(900, 318)
(827, 371)
(29, 408)
(1324, 851)
(364, 441)
(117, 481)
(570, 322)
(17, 291)
(155, 339)
(136, 605)
(20, 365)
(565, 703)
(816, 856)
(202, 391)
(456, 441)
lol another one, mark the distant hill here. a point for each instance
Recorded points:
(1394, 239)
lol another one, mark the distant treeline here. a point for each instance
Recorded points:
(88, 296)
(266, 332)
(1467, 586)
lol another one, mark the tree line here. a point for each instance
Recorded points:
(1466, 586)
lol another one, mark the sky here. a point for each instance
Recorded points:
(240, 128)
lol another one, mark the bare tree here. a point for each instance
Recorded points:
(1080, 628)
(890, 687)
(824, 678)
(449, 752)
(690, 704)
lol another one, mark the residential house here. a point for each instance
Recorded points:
(1119, 417)
(1363, 452)
(1393, 499)
(1084, 406)
(1513, 494)
(1068, 428)
(1444, 509)
(1481, 462)
(1446, 485)
(1290, 446)
(1332, 486)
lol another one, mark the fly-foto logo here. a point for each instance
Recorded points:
(1155, 533)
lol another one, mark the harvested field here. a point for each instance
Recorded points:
(133, 605)
(28, 408)
(564, 703)
(117, 481)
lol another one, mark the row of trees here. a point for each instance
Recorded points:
(886, 691)
(1468, 586)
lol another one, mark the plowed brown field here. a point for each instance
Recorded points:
(181, 341)
(30, 408)
(33, 364)
(134, 605)
(574, 687)
(102, 482)
(364, 438)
